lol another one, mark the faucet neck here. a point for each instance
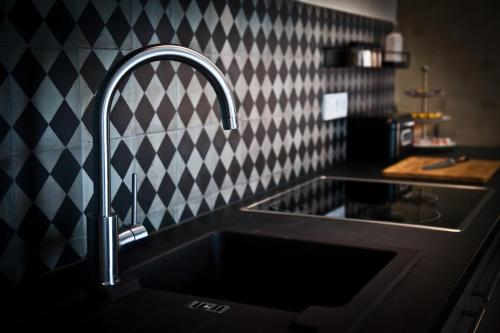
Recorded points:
(103, 239)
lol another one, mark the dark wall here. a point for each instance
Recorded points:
(165, 122)
(459, 40)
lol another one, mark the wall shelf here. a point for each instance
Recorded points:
(364, 56)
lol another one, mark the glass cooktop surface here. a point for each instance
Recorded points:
(434, 206)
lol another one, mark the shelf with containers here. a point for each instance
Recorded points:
(364, 55)
(369, 55)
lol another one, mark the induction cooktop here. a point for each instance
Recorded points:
(422, 205)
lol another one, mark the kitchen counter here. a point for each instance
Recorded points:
(420, 300)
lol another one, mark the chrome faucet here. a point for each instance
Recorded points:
(103, 238)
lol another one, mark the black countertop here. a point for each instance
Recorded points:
(419, 300)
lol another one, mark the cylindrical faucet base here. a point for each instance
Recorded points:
(102, 249)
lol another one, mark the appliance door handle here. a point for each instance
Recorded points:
(406, 137)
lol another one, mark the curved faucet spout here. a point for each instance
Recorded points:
(129, 63)
(103, 238)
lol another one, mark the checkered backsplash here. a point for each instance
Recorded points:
(165, 119)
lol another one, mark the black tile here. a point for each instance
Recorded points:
(203, 144)
(248, 39)
(33, 227)
(260, 163)
(203, 178)
(186, 109)
(167, 220)
(260, 40)
(234, 38)
(66, 170)
(186, 213)
(146, 195)
(248, 136)
(248, 103)
(165, 31)
(234, 197)
(282, 156)
(166, 189)
(219, 201)
(283, 100)
(122, 159)
(219, 173)
(165, 73)
(121, 115)
(143, 29)
(234, 139)
(260, 134)
(185, 74)
(234, 170)
(4, 128)
(91, 23)
(30, 126)
(143, 74)
(219, 36)
(219, 141)
(25, 18)
(204, 208)
(166, 111)
(272, 102)
(203, 108)
(272, 71)
(260, 102)
(32, 177)
(248, 9)
(233, 72)
(144, 113)
(271, 160)
(121, 202)
(93, 71)
(60, 21)
(166, 151)
(6, 233)
(64, 123)
(247, 166)
(185, 147)
(184, 32)
(202, 35)
(28, 73)
(3, 74)
(63, 74)
(67, 217)
(5, 183)
(145, 154)
(186, 183)
(118, 26)
(89, 119)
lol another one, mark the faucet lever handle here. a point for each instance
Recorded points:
(135, 231)
(133, 217)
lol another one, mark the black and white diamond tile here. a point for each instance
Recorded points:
(44, 99)
(165, 122)
(44, 24)
(155, 22)
(105, 24)
(5, 108)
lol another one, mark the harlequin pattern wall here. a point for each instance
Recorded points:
(165, 120)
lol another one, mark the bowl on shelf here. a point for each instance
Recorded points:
(435, 142)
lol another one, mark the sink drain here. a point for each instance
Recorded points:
(209, 307)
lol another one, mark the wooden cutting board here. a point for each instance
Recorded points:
(472, 171)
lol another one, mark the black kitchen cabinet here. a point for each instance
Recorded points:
(478, 308)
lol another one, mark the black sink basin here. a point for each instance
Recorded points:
(265, 271)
